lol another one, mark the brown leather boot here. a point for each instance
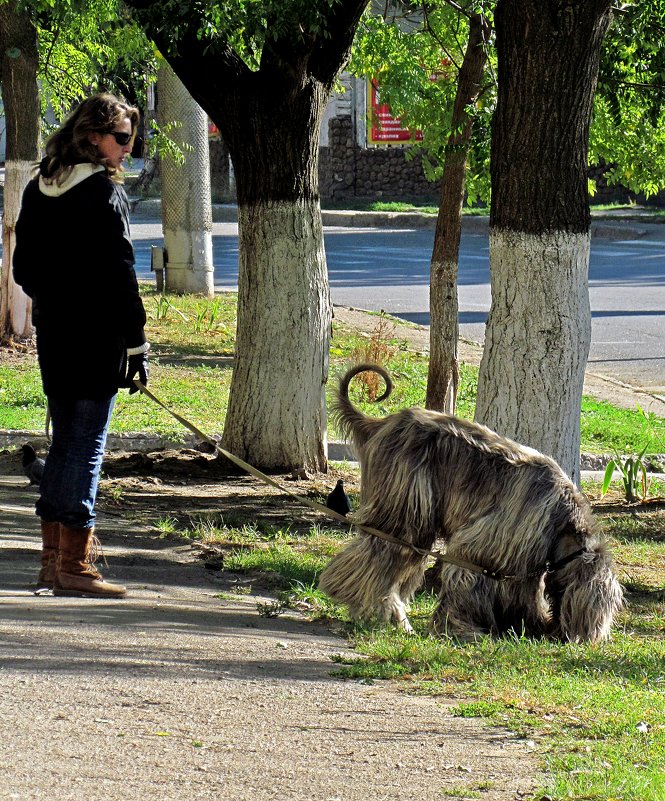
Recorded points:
(75, 573)
(50, 544)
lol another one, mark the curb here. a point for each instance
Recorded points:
(150, 209)
(132, 442)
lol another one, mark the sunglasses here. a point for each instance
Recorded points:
(120, 137)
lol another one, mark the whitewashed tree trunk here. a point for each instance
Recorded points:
(186, 208)
(16, 306)
(443, 372)
(270, 118)
(284, 316)
(538, 332)
(20, 95)
(537, 341)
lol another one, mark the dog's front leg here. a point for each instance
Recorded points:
(395, 609)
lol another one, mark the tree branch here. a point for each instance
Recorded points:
(343, 20)
(193, 51)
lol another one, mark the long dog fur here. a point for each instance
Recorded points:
(427, 476)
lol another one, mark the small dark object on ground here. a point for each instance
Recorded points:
(338, 500)
(33, 465)
(206, 447)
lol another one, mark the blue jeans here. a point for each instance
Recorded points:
(68, 488)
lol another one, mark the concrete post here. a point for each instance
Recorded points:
(186, 209)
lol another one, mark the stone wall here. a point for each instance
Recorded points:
(348, 171)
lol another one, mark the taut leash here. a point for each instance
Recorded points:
(248, 468)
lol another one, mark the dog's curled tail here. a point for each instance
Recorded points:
(351, 420)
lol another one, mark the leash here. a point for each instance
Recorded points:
(549, 567)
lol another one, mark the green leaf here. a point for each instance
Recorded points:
(607, 479)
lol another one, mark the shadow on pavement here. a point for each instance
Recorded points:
(178, 617)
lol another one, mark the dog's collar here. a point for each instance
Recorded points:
(549, 567)
(552, 567)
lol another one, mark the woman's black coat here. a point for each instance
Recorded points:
(74, 258)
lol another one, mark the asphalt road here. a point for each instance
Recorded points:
(378, 268)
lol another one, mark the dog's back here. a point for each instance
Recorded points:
(425, 473)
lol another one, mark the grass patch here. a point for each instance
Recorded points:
(596, 714)
(431, 208)
(398, 206)
(358, 204)
(22, 402)
(641, 211)
(193, 342)
(288, 558)
(281, 563)
(608, 429)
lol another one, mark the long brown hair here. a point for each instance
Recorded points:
(70, 144)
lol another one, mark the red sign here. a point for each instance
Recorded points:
(386, 129)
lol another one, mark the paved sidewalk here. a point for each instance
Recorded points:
(178, 694)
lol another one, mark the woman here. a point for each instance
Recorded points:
(74, 258)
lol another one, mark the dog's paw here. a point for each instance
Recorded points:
(405, 625)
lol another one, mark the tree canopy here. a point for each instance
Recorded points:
(628, 130)
(263, 72)
(246, 32)
(86, 46)
(415, 52)
(405, 44)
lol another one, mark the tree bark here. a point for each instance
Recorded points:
(539, 327)
(20, 94)
(270, 120)
(284, 308)
(443, 372)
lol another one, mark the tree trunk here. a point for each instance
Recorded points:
(293, 338)
(443, 373)
(20, 95)
(276, 412)
(284, 310)
(221, 184)
(185, 188)
(270, 119)
(539, 327)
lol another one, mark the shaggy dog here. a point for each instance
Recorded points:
(500, 506)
